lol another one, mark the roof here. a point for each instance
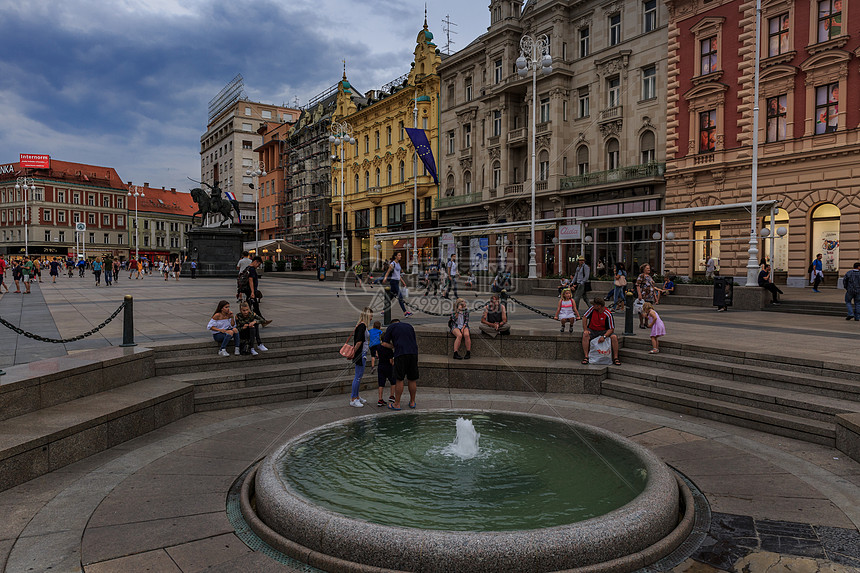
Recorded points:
(165, 201)
(85, 174)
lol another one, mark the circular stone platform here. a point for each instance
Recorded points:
(639, 533)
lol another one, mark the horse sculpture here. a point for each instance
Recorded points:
(207, 204)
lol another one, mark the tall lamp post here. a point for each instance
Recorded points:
(415, 190)
(534, 54)
(136, 193)
(257, 170)
(341, 133)
(752, 264)
(25, 183)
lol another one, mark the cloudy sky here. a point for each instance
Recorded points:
(126, 83)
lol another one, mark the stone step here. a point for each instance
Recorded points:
(801, 404)
(281, 392)
(685, 300)
(280, 341)
(736, 414)
(259, 373)
(212, 361)
(39, 442)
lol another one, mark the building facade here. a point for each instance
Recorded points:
(272, 186)
(808, 133)
(599, 132)
(227, 151)
(62, 196)
(157, 230)
(380, 171)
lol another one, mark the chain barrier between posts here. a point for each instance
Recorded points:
(22, 332)
(531, 308)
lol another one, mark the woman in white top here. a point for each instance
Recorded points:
(222, 325)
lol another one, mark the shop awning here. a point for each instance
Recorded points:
(272, 246)
(518, 227)
(688, 214)
(407, 234)
(422, 242)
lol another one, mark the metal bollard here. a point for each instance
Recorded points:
(128, 322)
(628, 314)
(386, 308)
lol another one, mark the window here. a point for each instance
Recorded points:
(646, 147)
(76, 217)
(61, 216)
(424, 123)
(76, 198)
(377, 216)
(467, 182)
(402, 132)
(649, 22)
(61, 196)
(708, 58)
(450, 142)
(428, 208)
(613, 154)
(583, 103)
(146, 223)
(367, 180)
(119, 202)
(362, 219)
(46, 215)
(146, 240)
(613, 91)
(777, 35)
(61, 236)
(247, 111)
(378, 178)
(267, 114)
(544, 109)
(827, 108)
(247, 127)
(583, 42)
(91, 219)
(106, 201)
(107, 239)
(649, 83)
(497, 72)
(247, 144)
(564, 110)
(105, 219)
(388, 135)
(356, 185)
(564, 51)
(776, 112)
(395, 213)
(497, 123)
(450, 101)
(829, 19)
(615, 29)
(388, 177)
(582, 160)
(367, 144)
(497, 175)
(376, 138)
(92, 238)
(47, 236)
(543, 166)
(708, 131)
(402, 172)
(91, 200)
(120, 221)
(469, 89)
(467, 136)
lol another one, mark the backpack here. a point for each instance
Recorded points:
(811, 266)
(242, 281)
(851, 281)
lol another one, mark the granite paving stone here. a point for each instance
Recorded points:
(198, 555)
(157, 561)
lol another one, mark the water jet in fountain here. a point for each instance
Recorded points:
(465, 444)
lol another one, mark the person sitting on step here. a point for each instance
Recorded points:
(459, 327)
(222, 325)
(248, 324)
(495, 319)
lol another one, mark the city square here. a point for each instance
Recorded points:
(605, 256)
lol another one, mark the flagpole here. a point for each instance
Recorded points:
(415, 191)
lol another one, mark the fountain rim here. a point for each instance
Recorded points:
(641, 523)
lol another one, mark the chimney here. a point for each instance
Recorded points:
(173, 189)
(146, 185)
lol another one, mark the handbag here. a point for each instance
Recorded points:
(621, 281)
(348, 350)
(638, 304)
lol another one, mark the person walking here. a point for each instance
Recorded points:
(620, 281)
(252, 289)
(458, 324)
(765, 283)
(37, 269)
(17, 274)
(116, 269)
(580, 277)
(400, 337)
(851, 282)
(433, 278)
(55, 269)
(222, 325)
(97, 271)
(108, 270)
(817, 270)
(392, 275)
(358, 274)
(711, 267)
(177, 268)
(193, 269)
(658, 329)
(359, 337)
(27, 273)
(3, 275)
(451, 269)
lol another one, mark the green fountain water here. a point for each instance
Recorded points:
(410, 470)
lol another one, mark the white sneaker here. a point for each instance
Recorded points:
(237, 351)
(254, 352)
(261, 348)
(223, 352)
(356, 403)
(363, 401)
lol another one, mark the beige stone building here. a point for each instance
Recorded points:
(600, 131)
(808, 134)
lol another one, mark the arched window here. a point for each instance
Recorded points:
(825, 235)
(467, 182)
(582, 160)
(543, 165)
(378, 179)
(779, 258)
(613, 154)
(449, 186)
(647, 148)
(388, 172)
(402, 172)
(366, 180)
(376, 136)
(497, 175)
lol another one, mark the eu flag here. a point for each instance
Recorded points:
(422, 148)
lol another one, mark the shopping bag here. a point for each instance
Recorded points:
(637, 305)
(600, 352)
(404, 292)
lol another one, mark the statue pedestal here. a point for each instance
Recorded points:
(216, 250)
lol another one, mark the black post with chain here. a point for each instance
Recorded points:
(628, 314)
(128, 322)
(23, 332)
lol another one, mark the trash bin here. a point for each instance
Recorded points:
(723, 291)
(321, 273)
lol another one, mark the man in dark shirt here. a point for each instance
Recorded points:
(765, 283)
(400, 337)
(252, 292)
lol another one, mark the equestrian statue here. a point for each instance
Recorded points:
(213, 203)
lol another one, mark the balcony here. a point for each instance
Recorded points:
(541, 185)
(466, 152)
(611, 114)
(457, 200)
(632, 173)
(517, 136)
(543, 127)
(515, 189)
(493, 141)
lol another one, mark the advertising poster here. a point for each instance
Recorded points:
(479, 252)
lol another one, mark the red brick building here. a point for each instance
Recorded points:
(58, 198)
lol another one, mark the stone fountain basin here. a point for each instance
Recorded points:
(621, 540)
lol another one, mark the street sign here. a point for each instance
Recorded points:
(570, 232)
(80, 227)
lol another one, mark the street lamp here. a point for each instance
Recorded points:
(257, 170)
(534, 54)
(341, 133)
(25, 183)
(137, 193)
(752, 264)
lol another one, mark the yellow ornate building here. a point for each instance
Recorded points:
(379, 171)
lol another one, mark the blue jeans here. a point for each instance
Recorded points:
(224, 338)
(852, 304)
(617, 294)
(359, 372)
(395, 292)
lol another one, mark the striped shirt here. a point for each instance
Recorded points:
(598, 320)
